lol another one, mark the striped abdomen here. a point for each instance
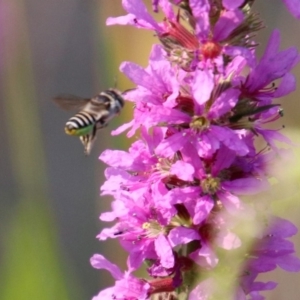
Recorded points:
(81, 124)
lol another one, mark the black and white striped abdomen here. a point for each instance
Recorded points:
(81, 120)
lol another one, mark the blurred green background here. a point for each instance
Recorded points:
(49, 191)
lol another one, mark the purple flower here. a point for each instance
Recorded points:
(208, 44)
(270, 251)
(186, 194)
(273, 65)
(164, 103)
(141, 229)
(126, 286)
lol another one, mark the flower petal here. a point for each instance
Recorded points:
(202, 86)
(224, 103)
(100, 262)
(246, 186)
(182, 235)
(294, 7)
(232, 4)
(164, 251)
(287, 85)
(204, 257)
(183, 170)
(227, 22)
(203, 207)
(289, 263)
(139, 9)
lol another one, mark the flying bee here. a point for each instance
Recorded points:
(94, 114)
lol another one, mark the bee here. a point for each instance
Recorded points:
(93, 114)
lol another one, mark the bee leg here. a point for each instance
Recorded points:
(101, 124)
(88, 140)
(85, 141)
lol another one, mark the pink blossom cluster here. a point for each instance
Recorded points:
(186, 194)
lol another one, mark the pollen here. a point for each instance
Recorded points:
(210, 185)
(163, 166)
(152, 229)
(199, 123)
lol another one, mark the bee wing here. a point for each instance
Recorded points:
(70, 102)
(100, 102)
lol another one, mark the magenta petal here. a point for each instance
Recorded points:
(273, 65)
(230, 139)
(231, 202)
(107, 233)
(287, 85)
(203, 207)
(139, 9)
(106, 294)
(262, 264)
(164, 114)
(270, 135)
(182, 235)
(208, 144)
(100, 262)
(263, 286)
(131, 288)
(122, 128)
(294, 7)
(135, 259)
(274, 247)
(224, 159)
(199, 7)
(282, 228)
(232, 4)
(289, 263)
(202, 86)
(224, 103)
(228, 240)
(164, 251)
(167, 9)
(203, 290)
(190, 155)
(108, 217)
(122, 20)
(227, 22)
(172, 144)
(204, 257)
(183, 170)
(273, 45)
(243, 54)
(157, 57)
(116, 158)
(246, 186)
(137, 75)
